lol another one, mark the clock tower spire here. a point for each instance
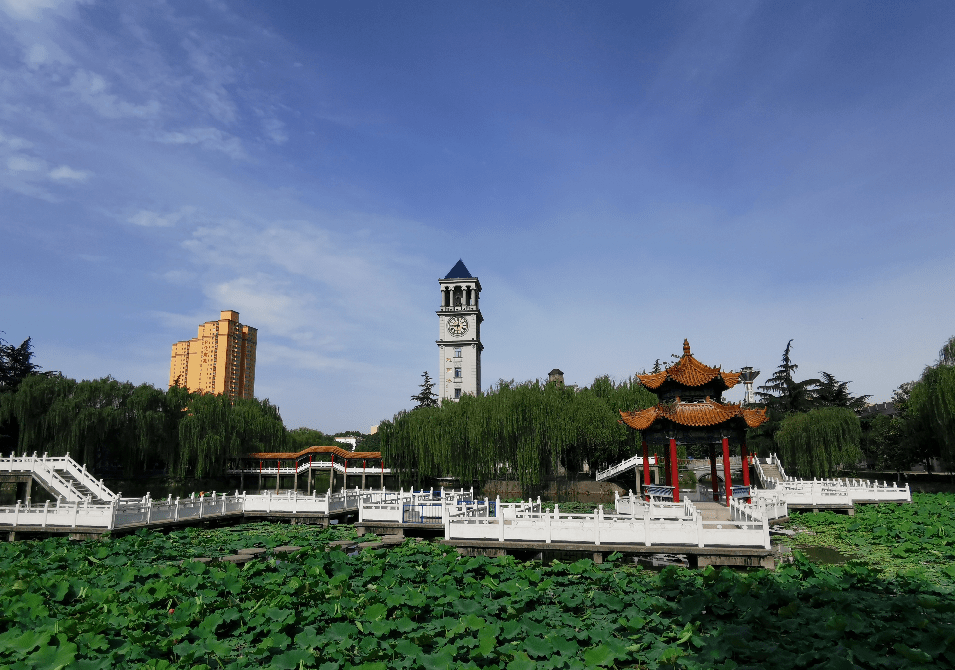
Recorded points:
(459, 334)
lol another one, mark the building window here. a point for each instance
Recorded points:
(457, 373)
(457, 393)
(457, 353)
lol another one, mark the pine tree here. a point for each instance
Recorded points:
(783, 394)
(833, 393)
(426, 397)
(16, 364)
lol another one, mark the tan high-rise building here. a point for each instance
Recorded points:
(220, 360)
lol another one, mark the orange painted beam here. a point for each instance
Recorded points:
(337, 451)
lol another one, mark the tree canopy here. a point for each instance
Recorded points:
(797, 421)
(426, 397)
(113, 425)
(818, 443)
(16, 364)
(524, 431)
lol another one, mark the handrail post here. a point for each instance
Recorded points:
(598, 517)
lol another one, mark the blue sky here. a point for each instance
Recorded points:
(620, 176)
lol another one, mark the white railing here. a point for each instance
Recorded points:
(430, 505)
(119, 513)
(623, 466)
(774, 460)
(760, 475)
(304, 467)
(838, 492)
(95, 486)
(771, 502)
(863, 490)
(831, 491)
(601, 528)
(84, 514)
(47, 470)
(637, 506)
(294, 502)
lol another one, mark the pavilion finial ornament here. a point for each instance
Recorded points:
(686, 347)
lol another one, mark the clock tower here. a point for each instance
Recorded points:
(459, 334)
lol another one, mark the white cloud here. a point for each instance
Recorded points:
(150, 219)
(14, 143)
(36, 56)
(92, 89)
(275, 130)
(287, 309)
(68, 173)
(20, 163)
(208, 138)
(214, 67)
(33, 9)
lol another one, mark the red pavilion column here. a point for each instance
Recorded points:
(713, 479)
(674, 470)
(646, 464)
(727, 480)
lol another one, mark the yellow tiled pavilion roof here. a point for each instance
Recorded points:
(694, 414)
(688, 372)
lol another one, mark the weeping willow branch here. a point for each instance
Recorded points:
(820, 442)
(519, 431)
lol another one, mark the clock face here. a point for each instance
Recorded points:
(457, 325)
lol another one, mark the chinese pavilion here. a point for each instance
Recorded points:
(691, 411)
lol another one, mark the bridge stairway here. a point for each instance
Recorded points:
(81, 487)
(713, 511)
(770, 471)
(61, 476)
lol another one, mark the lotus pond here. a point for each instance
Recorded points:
(132, 602)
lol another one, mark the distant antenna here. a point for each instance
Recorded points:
(748, 375)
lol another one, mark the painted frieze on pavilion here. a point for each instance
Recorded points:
(691, 411)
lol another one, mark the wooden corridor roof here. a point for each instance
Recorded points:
(337, 451)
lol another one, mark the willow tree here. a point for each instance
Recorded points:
(522, 431)
(818, 443)
(217, 428)
(931, 408)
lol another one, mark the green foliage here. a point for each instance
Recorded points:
(830, 392)
(895, 540)
(883, 442)
(524, 431)
(130, 602)
(782, 393)
(818, 443)
(932, 409)
(107, 423)
(426, 397)
(216, 428)
(785, 432)
(16, 364)
(303, 438)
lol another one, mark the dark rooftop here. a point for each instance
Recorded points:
(459, 271)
